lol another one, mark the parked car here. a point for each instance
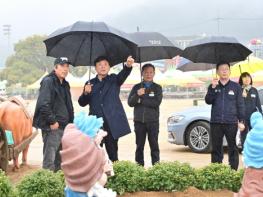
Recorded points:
(191, 127)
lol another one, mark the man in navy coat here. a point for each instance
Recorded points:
(102, 95)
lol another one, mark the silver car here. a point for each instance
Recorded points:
(191, 127)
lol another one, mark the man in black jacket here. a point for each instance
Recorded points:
(102, 95)
(146, 98)
(228, 112)
(54, 110)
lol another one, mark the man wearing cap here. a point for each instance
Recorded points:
(102, 95)
(54, 110)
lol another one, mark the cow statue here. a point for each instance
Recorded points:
(15, 118)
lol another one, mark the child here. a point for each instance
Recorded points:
(84, 162)
(252, 185)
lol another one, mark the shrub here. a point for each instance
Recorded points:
(61, 176)
(218, 176)
(6, 190)
(170, 176)
(42, 183)
(129, 177)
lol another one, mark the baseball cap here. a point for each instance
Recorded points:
(61, 60)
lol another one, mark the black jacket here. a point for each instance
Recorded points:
(252, 102)
(146, 107)
(227, 103)
(104, 101)
(54, 103)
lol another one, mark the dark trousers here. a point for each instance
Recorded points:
(243, 134)
(141, 130)
(218, 131)
(111, 144)
(51, 148)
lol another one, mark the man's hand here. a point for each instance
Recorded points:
(214, 82)
(130, 62)
(54, 126)
(241, 126)
(141, 91)
(88, 88)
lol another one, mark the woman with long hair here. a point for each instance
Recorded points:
(252, 101)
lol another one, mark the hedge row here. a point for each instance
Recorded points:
(130, 177)
(173, 176)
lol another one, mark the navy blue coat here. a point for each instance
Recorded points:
(104, 101)
(252, 102)
(227, 103)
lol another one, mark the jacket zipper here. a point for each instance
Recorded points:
(223, 104)
(143, 114)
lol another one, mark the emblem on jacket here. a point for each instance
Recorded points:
(231, 92)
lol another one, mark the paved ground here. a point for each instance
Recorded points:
(169, 152)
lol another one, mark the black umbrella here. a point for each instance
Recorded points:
(153, 46)
(83, 42)
(215, 49)
(186, 65)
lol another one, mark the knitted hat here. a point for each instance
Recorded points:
(253, 154)
(82, 160)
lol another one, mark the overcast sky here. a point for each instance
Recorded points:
(242, 19)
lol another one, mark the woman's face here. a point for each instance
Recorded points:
(246, 80)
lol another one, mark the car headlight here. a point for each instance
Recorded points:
(175, 119)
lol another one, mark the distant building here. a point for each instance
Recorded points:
(256, 46)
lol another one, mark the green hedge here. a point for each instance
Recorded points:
(218, 176)
(173, 176)
(42, 183)
(169, 176)
(6, 189)
(130, 177)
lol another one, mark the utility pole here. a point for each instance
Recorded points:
(218, 19)
(7, 32)
(138, 29)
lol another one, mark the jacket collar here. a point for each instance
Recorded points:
(219, 82)
(54, 76)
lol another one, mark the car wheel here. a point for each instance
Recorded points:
(198, 137)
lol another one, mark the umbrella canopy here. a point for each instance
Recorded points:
(215, 49)
(83, 42)
(186, 65)
(153, 46)
(252, 65)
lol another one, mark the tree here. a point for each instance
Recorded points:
(29, 62)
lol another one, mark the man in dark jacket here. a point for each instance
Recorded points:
(146, 98)
(228, 112)
(54, 110)
(102, 95)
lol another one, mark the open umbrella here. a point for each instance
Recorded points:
(215, 49)
(153, 46)
(186, 65)
(251, 65)
(83, 42)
